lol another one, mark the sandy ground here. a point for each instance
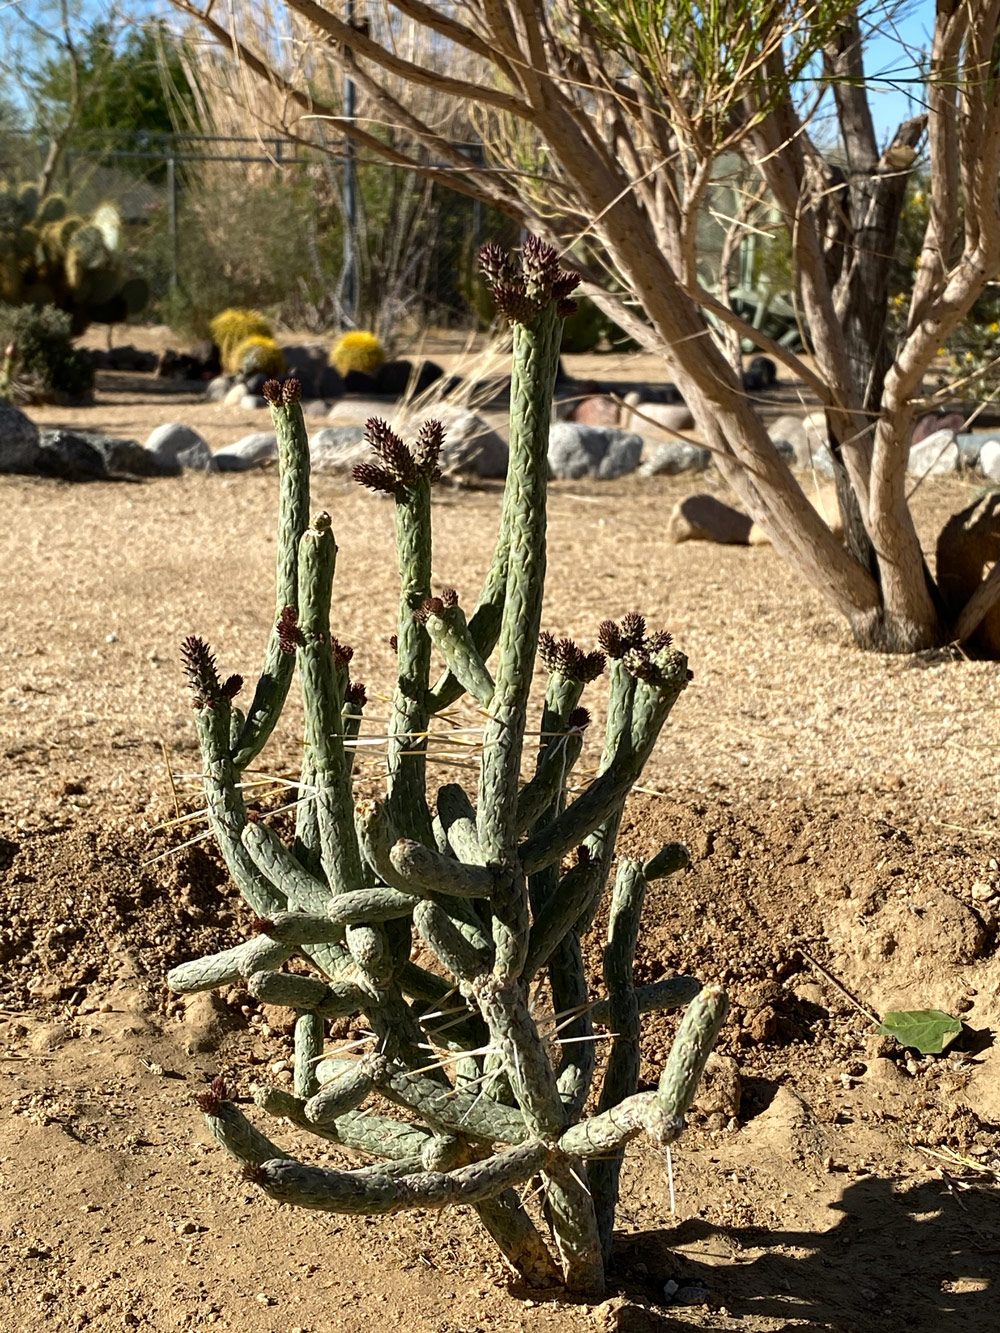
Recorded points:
(841, 809)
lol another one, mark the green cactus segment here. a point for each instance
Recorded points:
(351, 717)
(409, 717)
(696, 1037)
(225, 968)
(309, 1035)
(607, 1133)
(514, 1232)
(344, 1093)
(375, 1135)
(535, 361)
(423, 870)
(273, 859)
(578, 1053)
(339, 854)
(448, 1111)
(621, 1077)
(335, 999)
(452, 638)
(305, 848)
(484, 623)
(343, 1192)
(671, 993)
(570, 1213)
(555, 764)
(293, 518)
(606, 794)
(439, 931)
(667, 861)
(241, 1139)
(560, 911)
(226, 812)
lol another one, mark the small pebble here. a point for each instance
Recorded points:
(111, 638)
(670, 1290)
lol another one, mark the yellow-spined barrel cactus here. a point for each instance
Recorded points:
(258, 355)
(360, 351)
(232, 327)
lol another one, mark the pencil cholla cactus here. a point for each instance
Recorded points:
(498, 888)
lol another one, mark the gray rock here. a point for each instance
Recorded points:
(314, 407)
(306, 363)
(356, 411)
(64, 454)
(217, 389)
(602, 452)
(802, 441)
(989, 460)
(18, 440)
(471, 447)
(234, 395)
(182, 446)
(674, 457)
(337, 448)
(251, 451)
(970, 444)
(253, 402)
(935, 456)
(85, 455)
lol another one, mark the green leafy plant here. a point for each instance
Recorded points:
(43, 364)
(925, 1030)
(497, 889)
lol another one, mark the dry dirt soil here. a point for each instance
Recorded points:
(841, 811)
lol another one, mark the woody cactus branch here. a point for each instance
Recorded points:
(493, 1085)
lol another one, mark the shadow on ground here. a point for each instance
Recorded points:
(898, 1256)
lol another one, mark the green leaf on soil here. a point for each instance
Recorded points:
(926, 1030)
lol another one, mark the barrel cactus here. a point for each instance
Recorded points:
(358, 351)
(497, 885)
(232, 327)
(258, 355)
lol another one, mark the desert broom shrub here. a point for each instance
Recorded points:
(498, 885)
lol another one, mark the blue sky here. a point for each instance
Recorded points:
(891, 63)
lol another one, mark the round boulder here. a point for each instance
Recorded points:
(601, 452)
(180, 445)
(18, 440)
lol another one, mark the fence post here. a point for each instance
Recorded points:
(172, 217)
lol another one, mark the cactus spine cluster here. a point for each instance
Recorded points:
(499, 889)
(49, 256)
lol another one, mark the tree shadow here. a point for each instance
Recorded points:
(900, 1256)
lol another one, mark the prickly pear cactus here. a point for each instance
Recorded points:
(498, 883)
